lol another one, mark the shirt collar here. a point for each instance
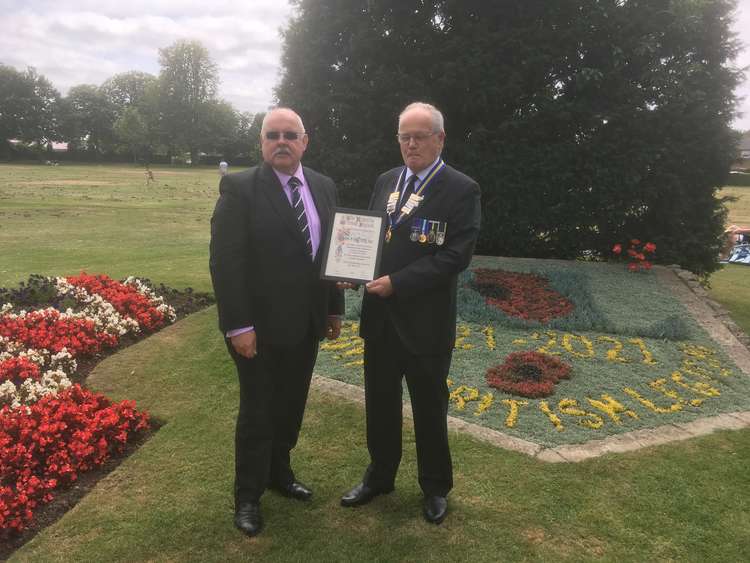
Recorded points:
(284, 177)
(422, 174)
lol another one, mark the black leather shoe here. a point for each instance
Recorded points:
(435, 509)
(248, 519)
(295, 489)
(362, 494)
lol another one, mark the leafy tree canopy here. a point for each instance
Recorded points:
(586, 122)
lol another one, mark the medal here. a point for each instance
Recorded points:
(414, 236)
(412, 203)
(423, 233)
(431, 236)
(440, 236)
(388, 234)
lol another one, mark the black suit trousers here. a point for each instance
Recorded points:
(387, 361)
(273, 393)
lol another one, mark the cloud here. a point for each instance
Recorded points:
(86, 42)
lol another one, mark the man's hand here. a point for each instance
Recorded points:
(245, 344)
(382, 287)
(347, 285)
(333, 330)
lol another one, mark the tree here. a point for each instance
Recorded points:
(188, 82)
(128, 89)
(134, 96)
(131, 129)
(88, 119)
(586, 122)
(28, 106)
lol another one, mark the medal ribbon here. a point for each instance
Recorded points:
(422, 188)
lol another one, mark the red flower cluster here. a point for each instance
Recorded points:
(17, 370)
(126, 299)
(529, 296)
(54, 441)
(636, 254)
(48, 329)
(528, 374)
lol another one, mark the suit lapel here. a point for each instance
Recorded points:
(321, 204)
(274, 192)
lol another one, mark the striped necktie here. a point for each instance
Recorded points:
(299, 211)
(411, 187)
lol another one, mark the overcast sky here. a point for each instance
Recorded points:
(87, 41)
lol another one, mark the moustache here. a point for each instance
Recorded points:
(281, 151)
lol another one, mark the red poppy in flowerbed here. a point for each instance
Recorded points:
(525, 296)
(528, 374)
(124, 297)
(48, 444)
(51, 330)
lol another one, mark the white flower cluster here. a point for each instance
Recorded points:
(55, 367)
(102, 312)
(156, 301)
(30, 391)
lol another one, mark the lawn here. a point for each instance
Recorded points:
(171, 500)
(730, 286)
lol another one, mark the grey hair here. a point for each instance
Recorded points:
(438, 123)
(285, 109)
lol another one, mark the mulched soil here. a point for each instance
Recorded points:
(184, 303)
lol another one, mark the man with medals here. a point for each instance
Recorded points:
(408, 318)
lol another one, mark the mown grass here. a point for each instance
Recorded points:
(171, 500)
(730, 286)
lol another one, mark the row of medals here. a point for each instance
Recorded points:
(418, 233)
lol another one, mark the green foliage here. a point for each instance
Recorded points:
(87, 119)
(188, 82)
(28, 107)
(585, 122)
(670, 328)
(739, 179)
(131, 129)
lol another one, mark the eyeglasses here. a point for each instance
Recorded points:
(406, 138)
(288, 135)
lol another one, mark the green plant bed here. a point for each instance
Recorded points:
(620, 381)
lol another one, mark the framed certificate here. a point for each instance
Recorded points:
(354, 245)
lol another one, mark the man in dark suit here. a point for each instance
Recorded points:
(267, 227)
(409, 313)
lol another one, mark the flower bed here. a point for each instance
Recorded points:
(48, 444)
(528, 374)
(525, 296)
(625, 375)
(52, 430)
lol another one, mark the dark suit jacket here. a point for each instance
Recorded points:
(423, 305)
(261, 271)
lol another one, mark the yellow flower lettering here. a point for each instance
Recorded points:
(567, 343)
(486, 402)
(570, 407)
(513, 405)
(553, 418)
(611, 407)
